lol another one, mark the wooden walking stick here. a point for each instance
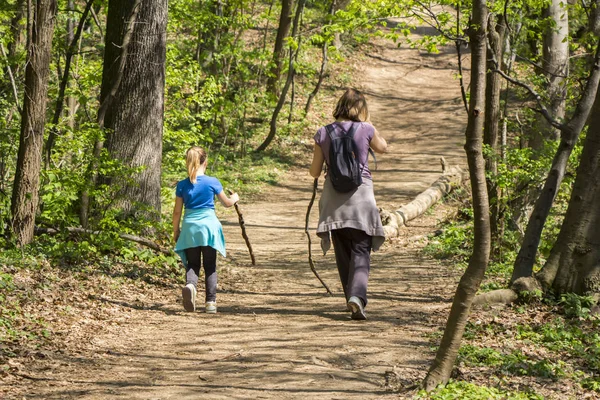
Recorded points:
(243, 226)
(310, 260)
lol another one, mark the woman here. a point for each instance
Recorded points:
(351, 218)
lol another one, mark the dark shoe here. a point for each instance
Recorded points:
(189, 297)
(357, 308)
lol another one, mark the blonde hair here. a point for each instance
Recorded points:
(194, 158)
(352, 106)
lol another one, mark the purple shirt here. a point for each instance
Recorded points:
(362, 138)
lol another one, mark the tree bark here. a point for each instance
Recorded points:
(574, 262)
(555, 65)
(441, 368)
(285, 21)
(27, 176)
(595, 17)
(569, 135)
(134, 117)
(492, 115)
(290, 76)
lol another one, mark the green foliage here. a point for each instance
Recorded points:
(576, 306)
(460, 390)
(513, 363)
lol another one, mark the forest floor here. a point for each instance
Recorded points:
(277, 335)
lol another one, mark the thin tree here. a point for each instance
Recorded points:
(285, 21)
(324, 63)
(491, 135)
(25, 194)
(290, 75)
(555, 66)
(60, 100)
(445, 358)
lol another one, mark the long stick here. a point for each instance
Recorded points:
(243, 226)
(310, 260)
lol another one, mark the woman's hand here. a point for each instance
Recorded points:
(176, 235)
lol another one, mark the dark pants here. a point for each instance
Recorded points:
(209, 262)
(353, 258)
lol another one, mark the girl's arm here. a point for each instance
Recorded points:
(228, 201)
(177, 217)
(317, 163)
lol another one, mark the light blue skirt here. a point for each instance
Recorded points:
(200, 227)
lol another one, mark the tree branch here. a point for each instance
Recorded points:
(310, 260)
(126, 236)
(12, 78)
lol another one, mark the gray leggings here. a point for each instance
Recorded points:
(353, 258)
(209, 262)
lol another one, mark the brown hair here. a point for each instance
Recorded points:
(194, 158)
(352, 106)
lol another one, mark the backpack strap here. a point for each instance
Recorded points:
(350, 132)
(329, 130)
(371, 152)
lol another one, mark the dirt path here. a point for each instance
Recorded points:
(276, 335)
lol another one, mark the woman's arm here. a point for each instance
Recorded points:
(228, 201)
(177, 217)
(317, 163)
(378, 144)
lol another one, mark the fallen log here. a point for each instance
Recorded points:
(125, 236)
(450, 179)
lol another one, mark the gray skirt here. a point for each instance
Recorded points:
(356, 209)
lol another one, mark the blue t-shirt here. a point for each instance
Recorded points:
(200, 194)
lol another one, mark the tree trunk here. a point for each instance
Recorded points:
(286, 87)
(555, 65)
(574, 263)
(285, 21)
(337, 37)
(134, 117)
(441, 368)
(595, 17)
(569, 136)
(211, 40)
(27, 176)
(323, 70)
(492, 115)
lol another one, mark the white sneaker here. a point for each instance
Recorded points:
(189, 297)
(211, 307)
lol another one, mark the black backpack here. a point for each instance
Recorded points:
(344, 172)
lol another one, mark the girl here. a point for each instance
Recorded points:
(351, 218)
(201, 234)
